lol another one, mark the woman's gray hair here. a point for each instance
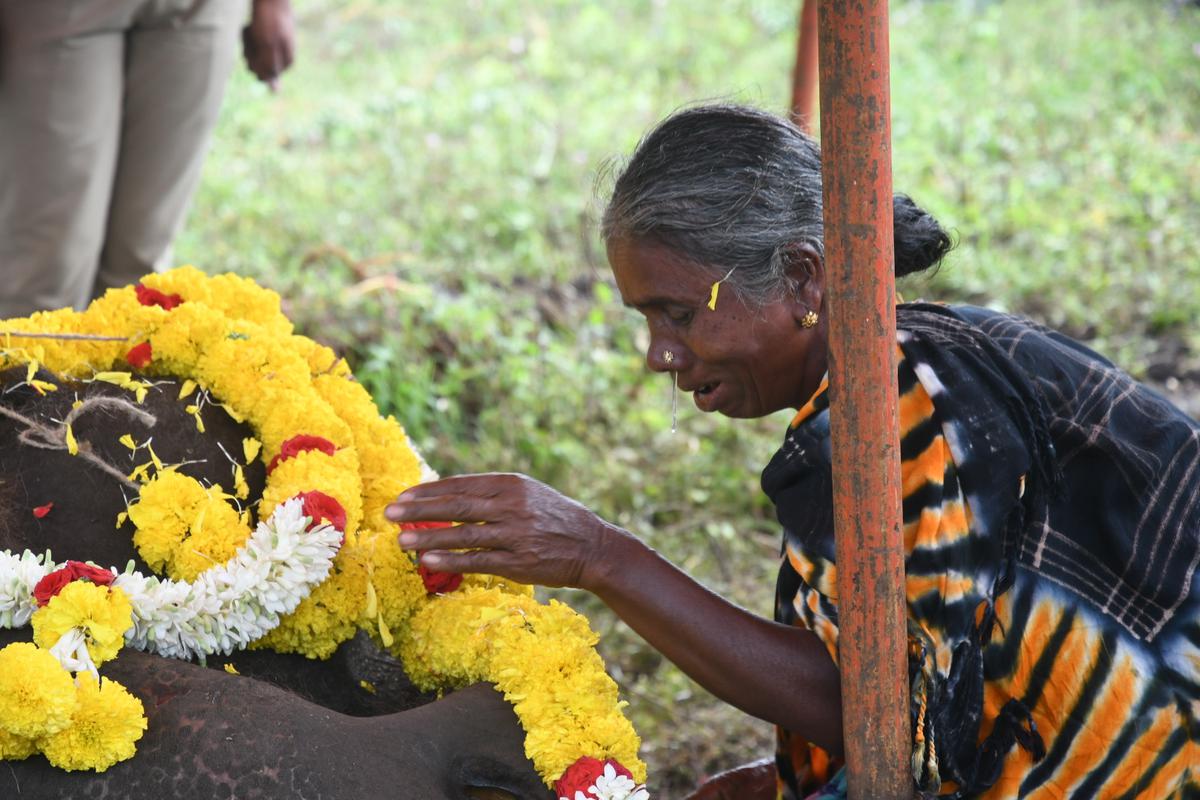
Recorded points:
(735, 188)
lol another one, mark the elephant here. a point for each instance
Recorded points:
(273, 725)
(215, 735)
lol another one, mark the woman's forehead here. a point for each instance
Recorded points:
(651, 274)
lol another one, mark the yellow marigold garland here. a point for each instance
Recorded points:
(230, 337)
(541, 657)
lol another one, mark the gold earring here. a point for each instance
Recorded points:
(809, 320)
(668, 357)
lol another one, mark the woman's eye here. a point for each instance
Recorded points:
(680, 316)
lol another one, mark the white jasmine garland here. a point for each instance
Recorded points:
(223, 610)
(18, 576)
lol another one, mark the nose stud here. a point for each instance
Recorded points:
(668, 357)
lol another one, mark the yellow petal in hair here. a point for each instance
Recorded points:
(716, 287)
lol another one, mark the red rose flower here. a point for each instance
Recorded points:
(320, 506)
(42, 511)
(439, 582)
(300, 444)
(436, 582)
(153, 297)
(53, 583)
(582, 775)
(140, 355)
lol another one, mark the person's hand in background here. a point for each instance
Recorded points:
(268, 42)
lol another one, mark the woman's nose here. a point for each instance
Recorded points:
(662, 358)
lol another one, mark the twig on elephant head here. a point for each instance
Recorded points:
(54, 437)
(73, 336)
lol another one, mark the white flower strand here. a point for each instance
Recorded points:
(18, 576)
(223, 610)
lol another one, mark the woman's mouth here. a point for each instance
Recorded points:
(705, 396)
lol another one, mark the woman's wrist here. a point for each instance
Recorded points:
(613, 550)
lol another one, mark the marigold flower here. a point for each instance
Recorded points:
(174, 509)
(104, 729)
(104, 614)
(37, 695)
(15, 748)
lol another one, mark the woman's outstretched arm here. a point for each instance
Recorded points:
(526, 531)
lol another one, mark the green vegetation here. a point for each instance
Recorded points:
(421, 192)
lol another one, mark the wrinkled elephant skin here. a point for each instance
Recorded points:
(212, 735)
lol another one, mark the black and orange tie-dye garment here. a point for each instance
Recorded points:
(1052, 536)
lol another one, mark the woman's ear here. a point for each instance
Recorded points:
(805, 270)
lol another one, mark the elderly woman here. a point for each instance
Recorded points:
(1051, 524)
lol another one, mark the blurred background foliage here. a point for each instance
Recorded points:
(423, 189)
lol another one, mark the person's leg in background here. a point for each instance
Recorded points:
(180, 53)
(61, 64)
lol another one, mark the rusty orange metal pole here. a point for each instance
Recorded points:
(857, 169)
(804, 74)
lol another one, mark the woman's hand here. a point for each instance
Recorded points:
(522, 529)
(513, 526)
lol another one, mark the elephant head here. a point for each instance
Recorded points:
(273, 726)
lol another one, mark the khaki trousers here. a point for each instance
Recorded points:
(106, 111)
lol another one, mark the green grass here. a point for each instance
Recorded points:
(421, 192)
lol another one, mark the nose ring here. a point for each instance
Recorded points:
(668, 357)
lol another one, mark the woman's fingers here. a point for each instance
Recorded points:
(443, 508)
(488, 562)
(512, 526)
(459, 537)
(463, 498)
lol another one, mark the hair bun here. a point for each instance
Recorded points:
(920, 240)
